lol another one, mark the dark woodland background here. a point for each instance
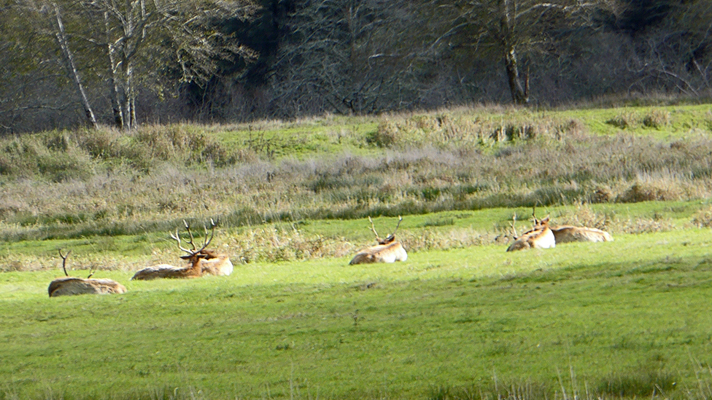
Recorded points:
(200, 61)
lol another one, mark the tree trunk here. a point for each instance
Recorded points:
(72, 69)
(520, 94)
(129, 97)
(113, 81)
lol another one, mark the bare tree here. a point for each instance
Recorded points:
(342, 56)
(676, 54)
(71, 67)
(120, 46)
(503, 29)
(138, 35)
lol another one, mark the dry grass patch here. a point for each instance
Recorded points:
(703, 218)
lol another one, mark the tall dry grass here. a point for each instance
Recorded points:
(106, 182)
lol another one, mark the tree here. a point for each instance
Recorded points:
(675, 53)
(132, 43)
(504, 29)
(344, 56)
(139, 34)
(71, 67)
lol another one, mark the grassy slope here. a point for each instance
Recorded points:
(622, 316)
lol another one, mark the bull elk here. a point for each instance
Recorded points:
(201, 261)
(70, 285)
(539, 237)
(567, 233)
(387, 250)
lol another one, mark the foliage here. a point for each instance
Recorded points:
(210, 61)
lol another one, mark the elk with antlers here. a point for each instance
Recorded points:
(202, 261)
(387, 250)
(539, 237)
(69, 285)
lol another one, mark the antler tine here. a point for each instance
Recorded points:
(176, 237)
(91, 273)
(212, 234)
(373, 228)
(187, 227)
(514, 229)
(64, 261)
(400, 219)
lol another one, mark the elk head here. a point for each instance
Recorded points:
(194, 253)
(540, 236)
(390, 238)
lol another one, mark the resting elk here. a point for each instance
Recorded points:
(69, 285)
(202, 261)
(387, 250)
(539, 237)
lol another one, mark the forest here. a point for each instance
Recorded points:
(71, 63)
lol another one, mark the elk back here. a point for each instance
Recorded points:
(382, 253)
(68, 286)
(566, 234)
(167, 271)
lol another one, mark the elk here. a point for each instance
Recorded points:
(69, 285)
(567, 233)
(201, 261)
(539, 237)
(387, 250)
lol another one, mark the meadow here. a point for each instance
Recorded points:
(460, 319)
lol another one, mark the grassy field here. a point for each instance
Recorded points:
(460, 319)
(627, 318)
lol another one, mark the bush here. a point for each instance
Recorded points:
(623, 121)
(656, 119)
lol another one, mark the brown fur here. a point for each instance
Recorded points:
(216, 264)
(385, 253)
(539, 237)
(70, 285)
(566, 234)
(202, 263)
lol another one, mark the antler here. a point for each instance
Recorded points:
(207, 241)
(392, 235)
(213, 225)
(514, 221)
(64, 261)
(176, 237)
(373, 228)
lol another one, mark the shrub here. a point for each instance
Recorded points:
(650, 191)
(656, 119)
(386, 135)
(623, 120)
(703, 218)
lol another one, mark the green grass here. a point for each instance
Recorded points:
(460, 319)
(450, 319)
